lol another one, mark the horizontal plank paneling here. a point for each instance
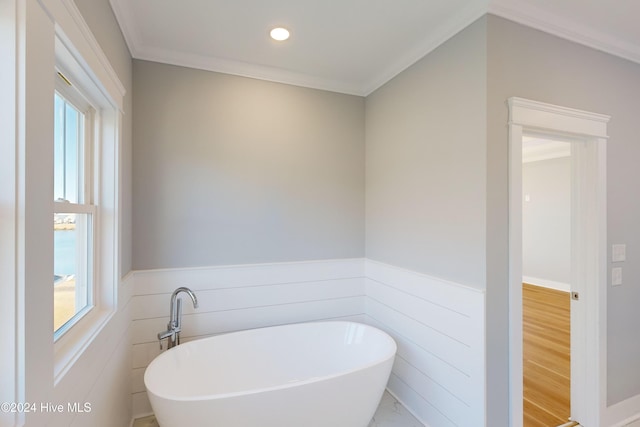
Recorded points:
(448, 350)
(441, 372)
(240, 297)
(438, 325)
(446, 403)
(452, 295)
(442, 319)
(137, 380)
(439, 328)
(233, 298)
(205, 278)
(419, 407)
(141, 404)
(216, 322)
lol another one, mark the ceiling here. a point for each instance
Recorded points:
(536, 148)
(348, 46)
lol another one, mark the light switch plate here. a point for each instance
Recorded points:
(618, 253)
(616, 276)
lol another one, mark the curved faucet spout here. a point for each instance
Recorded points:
(172, 334)
(186, 290)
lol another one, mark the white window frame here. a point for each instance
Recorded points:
(11, 371)
(104, 199)
(86, 203)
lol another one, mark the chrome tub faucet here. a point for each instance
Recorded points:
(172, 334)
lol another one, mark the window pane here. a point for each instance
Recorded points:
(58, 179)
(68, 143)
(72, 255)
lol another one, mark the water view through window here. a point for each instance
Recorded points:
(64, 268)
(70, 279)
(72, 228)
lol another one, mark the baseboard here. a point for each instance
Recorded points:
(135, 417)
(550, 284)
(628, 421)
(407, 408)
(623, 413)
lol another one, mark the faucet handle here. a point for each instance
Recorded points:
(164, 335)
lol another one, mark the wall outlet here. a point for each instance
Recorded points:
(616, 276)
(618, 253)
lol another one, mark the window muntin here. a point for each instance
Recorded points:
(74, 211)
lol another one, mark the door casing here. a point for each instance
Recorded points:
(588, 251)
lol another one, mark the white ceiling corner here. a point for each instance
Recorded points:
(447, 29)
(604, 38)
(379, 39)
(127, 24)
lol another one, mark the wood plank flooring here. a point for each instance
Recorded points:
(546, 356)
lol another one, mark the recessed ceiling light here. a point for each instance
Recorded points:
(279, 34)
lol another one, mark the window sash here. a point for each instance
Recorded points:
(60, 207)
(82, 197)
(74, 288)
(85, 170)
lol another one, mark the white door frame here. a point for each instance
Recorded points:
(10, 367)
(588, 251)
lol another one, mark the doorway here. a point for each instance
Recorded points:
(546, 282)
(588, 133)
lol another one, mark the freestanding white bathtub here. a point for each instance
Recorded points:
(325, 374)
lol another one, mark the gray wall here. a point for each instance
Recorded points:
(231, 170)
(425, 169)
(546, 220)
(429, 205)
(530, 64)
(105, 28)
(437, 173)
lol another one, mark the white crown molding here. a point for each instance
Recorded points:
(436, 38)
(527, 14)
(124, 16)
(519, 11)
(139, 50)
(245, 69)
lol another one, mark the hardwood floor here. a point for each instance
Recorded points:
(546, 356)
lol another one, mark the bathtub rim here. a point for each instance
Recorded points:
(207, 397)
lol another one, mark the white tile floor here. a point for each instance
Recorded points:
(390, 413)
(149, 421)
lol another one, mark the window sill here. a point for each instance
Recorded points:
(70, 347)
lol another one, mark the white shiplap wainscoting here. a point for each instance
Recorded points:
(438, 325)
(100, 376)
(233, 298)
(439, 372)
